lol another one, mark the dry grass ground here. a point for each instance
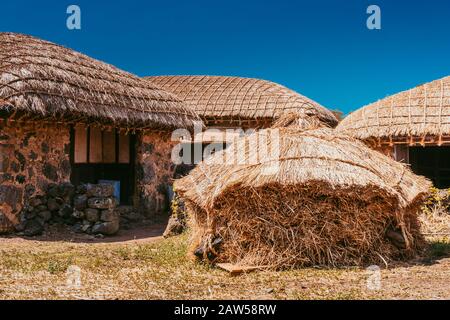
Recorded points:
(159, 269)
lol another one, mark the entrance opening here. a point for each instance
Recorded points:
(103, 155)
(433, 163)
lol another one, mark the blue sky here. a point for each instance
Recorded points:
(319, 48)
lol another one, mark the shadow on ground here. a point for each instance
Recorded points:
(146, 231)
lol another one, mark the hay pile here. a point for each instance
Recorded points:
(328, 200)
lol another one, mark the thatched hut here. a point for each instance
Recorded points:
(412, 126)
(322, 199)
(230, 106)
(67, 117)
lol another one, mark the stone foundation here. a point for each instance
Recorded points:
(32, 156)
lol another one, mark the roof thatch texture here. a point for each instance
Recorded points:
(41, 80)
(424, 110)
(218, 97)
(326, 199)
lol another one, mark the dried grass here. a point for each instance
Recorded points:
(40, 80)
(331, 202)
(235, 98)
(421, 111)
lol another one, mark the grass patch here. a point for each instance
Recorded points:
(161, 270)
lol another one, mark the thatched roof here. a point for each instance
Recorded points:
(41, 80)
(217, 97)
(305, 156)
(421, 111)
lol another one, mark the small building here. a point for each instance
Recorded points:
(412, 126)
(65, 117)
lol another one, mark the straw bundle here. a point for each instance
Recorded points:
(326, 199)
(235, 98)
(424, 110)
(41, 80)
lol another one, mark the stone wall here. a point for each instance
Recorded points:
(154, 174)
(32, 156)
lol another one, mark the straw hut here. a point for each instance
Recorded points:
(67, 117)
(322, 199)
(412, 126)
(233, 106)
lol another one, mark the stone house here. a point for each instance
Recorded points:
(65, 117)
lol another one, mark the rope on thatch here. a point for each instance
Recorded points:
(330, 200)
(39, 78)
(418, 112)
(295, 120)
(215, 97)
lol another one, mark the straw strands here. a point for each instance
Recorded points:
(421, 111)
(326, 200)
(219, 97)
(41, 80)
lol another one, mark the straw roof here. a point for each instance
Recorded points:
(218, 97)
(421, 111)
(41, 80)
(317, 155)
(324, 199)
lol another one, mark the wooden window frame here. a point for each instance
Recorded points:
(88, 147)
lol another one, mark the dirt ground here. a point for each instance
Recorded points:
(140, 264)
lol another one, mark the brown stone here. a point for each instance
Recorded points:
(100, 190)
(109, 215)
(102, 203)
(106, 228)
(91, 215)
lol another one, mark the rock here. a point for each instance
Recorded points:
(52, 190)
(109, 215)
(65, 211)
(67, 191)
(50, 171)
(30, 215)
(34, 202)
(80, 202)
(77, 228)
(42, 207)
(33, 228)
(86, 228)
(91, 215)
(81, 189)
(53, 205)
(174, 227)
(45, 215)
(100, 190)
(106, 228)
(78, 214)
(102, 203)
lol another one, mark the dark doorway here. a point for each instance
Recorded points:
(433, 163)
(103, 155)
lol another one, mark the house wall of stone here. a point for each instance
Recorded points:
(31, 157)
(154, 172)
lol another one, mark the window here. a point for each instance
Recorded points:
(92, 145)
